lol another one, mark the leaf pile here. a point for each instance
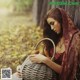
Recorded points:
(16, 43)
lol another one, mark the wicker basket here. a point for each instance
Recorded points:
(38, 71)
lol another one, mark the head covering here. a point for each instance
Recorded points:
(69, 62)
(68, 26)
(71, 37)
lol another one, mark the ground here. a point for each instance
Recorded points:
(18, 36)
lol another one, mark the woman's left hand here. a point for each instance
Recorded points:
(37, 58)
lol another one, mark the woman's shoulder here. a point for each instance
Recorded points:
(76, 41)
(76, 37)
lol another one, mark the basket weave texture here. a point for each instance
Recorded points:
(37, 71)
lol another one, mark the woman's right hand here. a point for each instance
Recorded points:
(19, 73)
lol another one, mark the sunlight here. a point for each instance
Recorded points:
(4, 11)
(5, 7)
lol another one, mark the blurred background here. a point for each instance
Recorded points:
(18, 32)
(20, 27)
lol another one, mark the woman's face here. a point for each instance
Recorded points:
(54, 24)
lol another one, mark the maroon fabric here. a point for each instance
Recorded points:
(58, 58)
(71, 36)
(70, 57)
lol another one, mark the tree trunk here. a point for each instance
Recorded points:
(72, 10)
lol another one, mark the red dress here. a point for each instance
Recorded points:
(57, 59)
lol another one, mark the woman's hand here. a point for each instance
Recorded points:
(19, 73)
(37, 58)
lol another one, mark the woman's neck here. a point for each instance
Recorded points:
(60, 48)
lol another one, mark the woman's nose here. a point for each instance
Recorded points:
(52, 27)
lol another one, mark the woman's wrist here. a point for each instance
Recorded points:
(52, 65)
(45, 60)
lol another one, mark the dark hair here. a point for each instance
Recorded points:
(47, 32)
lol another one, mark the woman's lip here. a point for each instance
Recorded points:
(54, 30)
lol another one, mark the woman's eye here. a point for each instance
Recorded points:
(51, 23)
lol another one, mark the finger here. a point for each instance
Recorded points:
(19, 74)
(35, 52)
(34, 60)
(32, 55)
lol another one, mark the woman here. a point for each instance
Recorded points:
(58, 26)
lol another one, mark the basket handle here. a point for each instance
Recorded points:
(51, 42)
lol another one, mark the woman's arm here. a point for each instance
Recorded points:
(51, 64)
(57, 68)
(39, 58)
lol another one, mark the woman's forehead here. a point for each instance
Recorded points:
(50, 20)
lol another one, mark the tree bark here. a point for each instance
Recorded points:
(72, 10)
